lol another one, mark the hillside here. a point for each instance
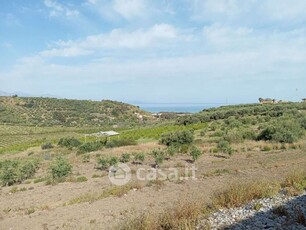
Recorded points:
(51, 111)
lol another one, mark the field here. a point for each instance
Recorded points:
(52, 179)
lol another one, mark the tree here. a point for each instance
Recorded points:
(195, 152)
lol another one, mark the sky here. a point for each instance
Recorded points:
(154, 51)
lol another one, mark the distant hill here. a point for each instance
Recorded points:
(52, 111)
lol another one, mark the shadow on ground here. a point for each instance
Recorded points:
(291, 215)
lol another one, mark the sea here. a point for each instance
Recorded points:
(177, 108)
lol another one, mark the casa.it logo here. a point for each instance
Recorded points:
(119, 174)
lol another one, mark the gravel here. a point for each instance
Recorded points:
(279, 212)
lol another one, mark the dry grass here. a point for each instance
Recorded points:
(295, 183)
(117, 191)
(184, 215)
(238, 194)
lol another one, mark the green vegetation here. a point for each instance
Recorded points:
(47, 146)
(139, 158)
(125, 157)
(120, 142)
(69, 142)
(225, 147)
(283, 131)
(53, 112)
(117, 191)
(195, 153)
(105, 162)
(17, 171)
(90, 146)
(159, 156)
(60, 168)
(177, 138)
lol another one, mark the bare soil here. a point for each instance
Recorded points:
(41, 206)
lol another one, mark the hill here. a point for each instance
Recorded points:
(51, 111)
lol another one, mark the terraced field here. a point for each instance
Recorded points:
(14, 137)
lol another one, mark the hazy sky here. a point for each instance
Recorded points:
(154, 50)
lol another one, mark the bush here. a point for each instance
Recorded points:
(120, 142)
(125, 157)
(103, 163)
(113, 161)
(47, 146)
(195, 153)
(177, 138)
(90, 147)
(60, 168)
(16, 171)
(171, 150)
(284, 131)
(234, 136)
(139, 157)
(69, 142)
(159, 156)
(225, 147)
(303, 122)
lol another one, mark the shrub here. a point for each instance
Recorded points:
(120, 142)
(177, 138)
(90, 147)
(225, 147)
(159, 156)
(195, 153)
(171, 150)
(69, 142)
(139, 157)
(113, 161)
(16, 171)
(103, 163)
(60, 168)
(47, 146)
(234, 136)
(125, 157)
(303, 122)
(283, 131)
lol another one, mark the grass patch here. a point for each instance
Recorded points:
(81, 179)
(117, 191)
(182, 215)
(295, 183)
(239, 194)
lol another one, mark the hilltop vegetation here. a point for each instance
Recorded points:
(64, 112)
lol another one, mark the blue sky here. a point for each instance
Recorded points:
(154, 50)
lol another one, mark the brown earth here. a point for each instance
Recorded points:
(42, 206)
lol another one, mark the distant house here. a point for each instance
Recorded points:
(107, 134)
(267, 101)
(304, 99)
